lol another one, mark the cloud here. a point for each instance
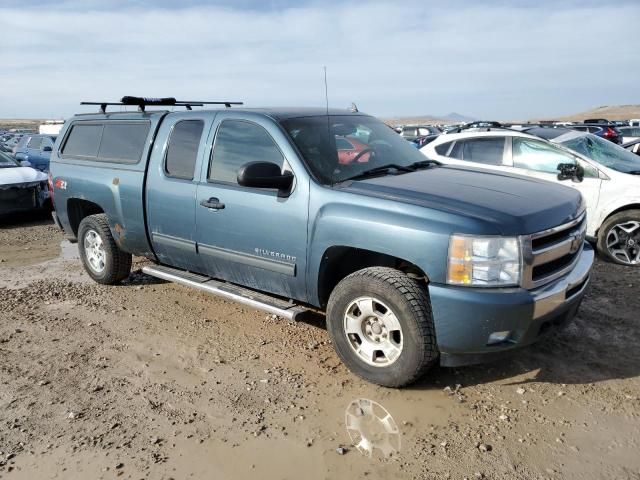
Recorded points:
(488, 59)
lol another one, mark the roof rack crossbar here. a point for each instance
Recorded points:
(143, 102)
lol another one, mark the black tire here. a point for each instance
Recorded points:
(409, 301)
(117, 264)
(621, 218)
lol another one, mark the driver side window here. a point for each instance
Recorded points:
(237, 143)
(534, 155)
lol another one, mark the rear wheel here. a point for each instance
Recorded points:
(100, 255)
(381, 326)
(619, 238)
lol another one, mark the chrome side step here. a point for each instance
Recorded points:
(251, 298)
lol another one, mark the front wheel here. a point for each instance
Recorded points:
(381, 326)
(619, 238)
(100, 255)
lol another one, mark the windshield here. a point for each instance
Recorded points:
(6, 161)
(337, 148)
(604, 152)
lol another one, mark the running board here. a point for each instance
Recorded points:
(229, 291)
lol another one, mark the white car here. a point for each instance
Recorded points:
(607, 175)
(21, 186)
(629, 134)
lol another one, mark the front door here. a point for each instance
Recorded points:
(539, 159)
(171, 190)
(251, 236)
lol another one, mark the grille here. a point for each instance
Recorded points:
(552, 253)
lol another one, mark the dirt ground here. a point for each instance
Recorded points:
(153, 380)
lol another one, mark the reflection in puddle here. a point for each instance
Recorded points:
(372, 428)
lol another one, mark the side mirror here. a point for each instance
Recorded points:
(570, 171)
(47, 149)
(25, 163)
(264, 175)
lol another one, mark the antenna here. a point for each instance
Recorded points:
(326, 91)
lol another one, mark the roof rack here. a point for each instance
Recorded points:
(143, 102)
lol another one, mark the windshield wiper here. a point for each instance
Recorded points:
(381, 170)
(423, 164)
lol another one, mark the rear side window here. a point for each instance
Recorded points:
(83, 141)
(488, 151)
(182, 151)
(443, 148)
(117, 142)
(237, 143)
(123, 141)
(35, 142)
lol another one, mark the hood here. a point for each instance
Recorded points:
(15, 176)
(512, 204)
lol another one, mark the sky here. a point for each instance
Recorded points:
(485, 59)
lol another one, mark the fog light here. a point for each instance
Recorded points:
(499, 337)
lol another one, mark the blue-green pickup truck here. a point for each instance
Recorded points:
(290, 210)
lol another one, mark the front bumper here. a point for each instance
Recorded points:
(466, 317)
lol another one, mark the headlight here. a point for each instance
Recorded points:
(484, 261)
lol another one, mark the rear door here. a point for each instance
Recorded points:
(172, 188)
(251, 236)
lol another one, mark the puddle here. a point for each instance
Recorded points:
(26, 264)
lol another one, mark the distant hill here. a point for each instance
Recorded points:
(454, 117)
(430, 119)
(610, 112)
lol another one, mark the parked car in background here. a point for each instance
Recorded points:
(607, 176)
(634, 122)
(629, 134)
(21, 187)
(12, 140)
(633, 146)
(422, 141)
(597, 121)
(411, 132)
(37, 150)
(608, 131)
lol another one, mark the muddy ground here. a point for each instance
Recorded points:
(152, 380)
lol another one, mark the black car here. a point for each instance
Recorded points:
(605, 130)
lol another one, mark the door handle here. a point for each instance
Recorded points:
(212, 203)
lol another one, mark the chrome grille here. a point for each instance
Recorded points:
(552, 253)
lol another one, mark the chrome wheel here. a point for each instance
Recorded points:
(94, 251)
(623, 242)
(373, 331)
(372, 428)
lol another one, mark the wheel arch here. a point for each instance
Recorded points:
(622, 208)
(340, 261)
(78, 209)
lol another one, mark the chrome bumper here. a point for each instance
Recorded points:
(557, 294)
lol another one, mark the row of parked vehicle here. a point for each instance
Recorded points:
(618, 131)
(24, 164)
